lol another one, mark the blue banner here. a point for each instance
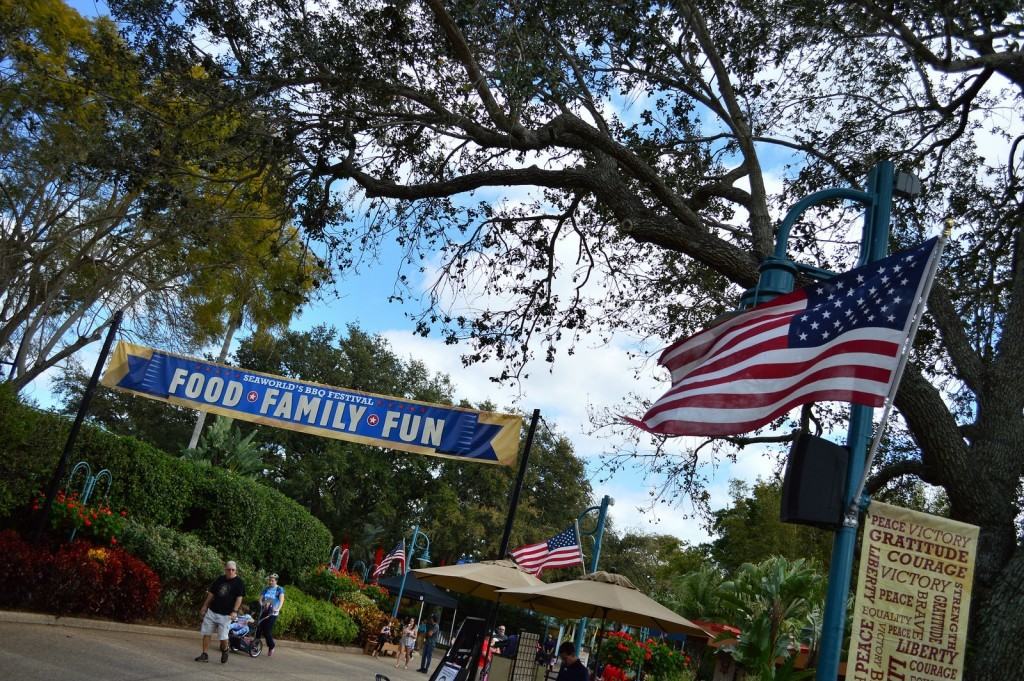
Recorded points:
(356, 416)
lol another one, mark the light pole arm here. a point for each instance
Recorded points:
(817, 198)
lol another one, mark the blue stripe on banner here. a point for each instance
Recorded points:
(297, 405)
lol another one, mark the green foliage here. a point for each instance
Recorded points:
(242, 519)
(122, 193)
(309, 619)
(749, 530)
(224, 446)
(185, 564)
(326, 584)
(697, 595)
(770, 603)
(456, 503)
(356, 598)
(650, 561)
(182, 560)
(380, 597)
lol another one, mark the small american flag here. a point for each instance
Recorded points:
(839, 339)
(397, 555)
(562, 550)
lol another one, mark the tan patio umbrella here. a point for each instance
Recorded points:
(601, 595)
(483, 579)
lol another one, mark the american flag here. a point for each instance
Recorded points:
(839, 339)
(562, 550)
(397, 554)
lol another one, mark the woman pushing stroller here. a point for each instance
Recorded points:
(272, 600)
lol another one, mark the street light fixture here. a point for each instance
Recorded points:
(411, 556)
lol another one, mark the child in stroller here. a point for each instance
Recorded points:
(243, 635)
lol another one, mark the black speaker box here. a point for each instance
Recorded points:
(815, 483)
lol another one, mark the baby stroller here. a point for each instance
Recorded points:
(249, 643)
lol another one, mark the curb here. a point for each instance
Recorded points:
(12, 617)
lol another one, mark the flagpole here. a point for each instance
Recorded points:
(405, 568)
(922, 303)
(579, 545)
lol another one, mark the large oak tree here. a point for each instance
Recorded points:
(645, 136)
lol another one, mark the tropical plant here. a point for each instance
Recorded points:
(223, 445)
(697, 594)
(770, 602)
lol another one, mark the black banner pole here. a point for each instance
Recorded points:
(43, 517)
(513, 503)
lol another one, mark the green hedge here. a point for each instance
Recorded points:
(309, 619)
(242, 519)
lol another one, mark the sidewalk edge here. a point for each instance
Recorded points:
(15, 617)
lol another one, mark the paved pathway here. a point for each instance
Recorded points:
(34, 652)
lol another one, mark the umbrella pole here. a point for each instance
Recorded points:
(600, 640)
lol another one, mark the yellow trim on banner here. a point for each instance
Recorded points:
(505, 444)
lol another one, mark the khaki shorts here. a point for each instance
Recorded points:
(215, 625)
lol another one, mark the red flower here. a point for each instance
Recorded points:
(88, 523)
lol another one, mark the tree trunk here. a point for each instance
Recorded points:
(233, 325)
(996, 639)
(985, 497)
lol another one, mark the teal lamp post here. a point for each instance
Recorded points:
(778, 275)
(363, 571)
(597, 534)
(417, 534)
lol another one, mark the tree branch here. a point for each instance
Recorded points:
(895, 470)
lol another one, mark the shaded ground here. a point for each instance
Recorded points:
(32, 652)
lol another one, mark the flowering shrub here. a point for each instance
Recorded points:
(665, 663)
(328, 584)
(613, 673)
(622, 652)
(97, 521)
(79, 578)
(368, 618)
(380, 597)
(623, 655)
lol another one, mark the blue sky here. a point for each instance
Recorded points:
(597, 376)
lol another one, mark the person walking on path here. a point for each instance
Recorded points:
(430, 640)
(223, 599)
(272, 598)
(408, 643)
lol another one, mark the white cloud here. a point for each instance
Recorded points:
(596, 377)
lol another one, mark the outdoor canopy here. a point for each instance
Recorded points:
(418, 590)
(601, 595)
(482, 579)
